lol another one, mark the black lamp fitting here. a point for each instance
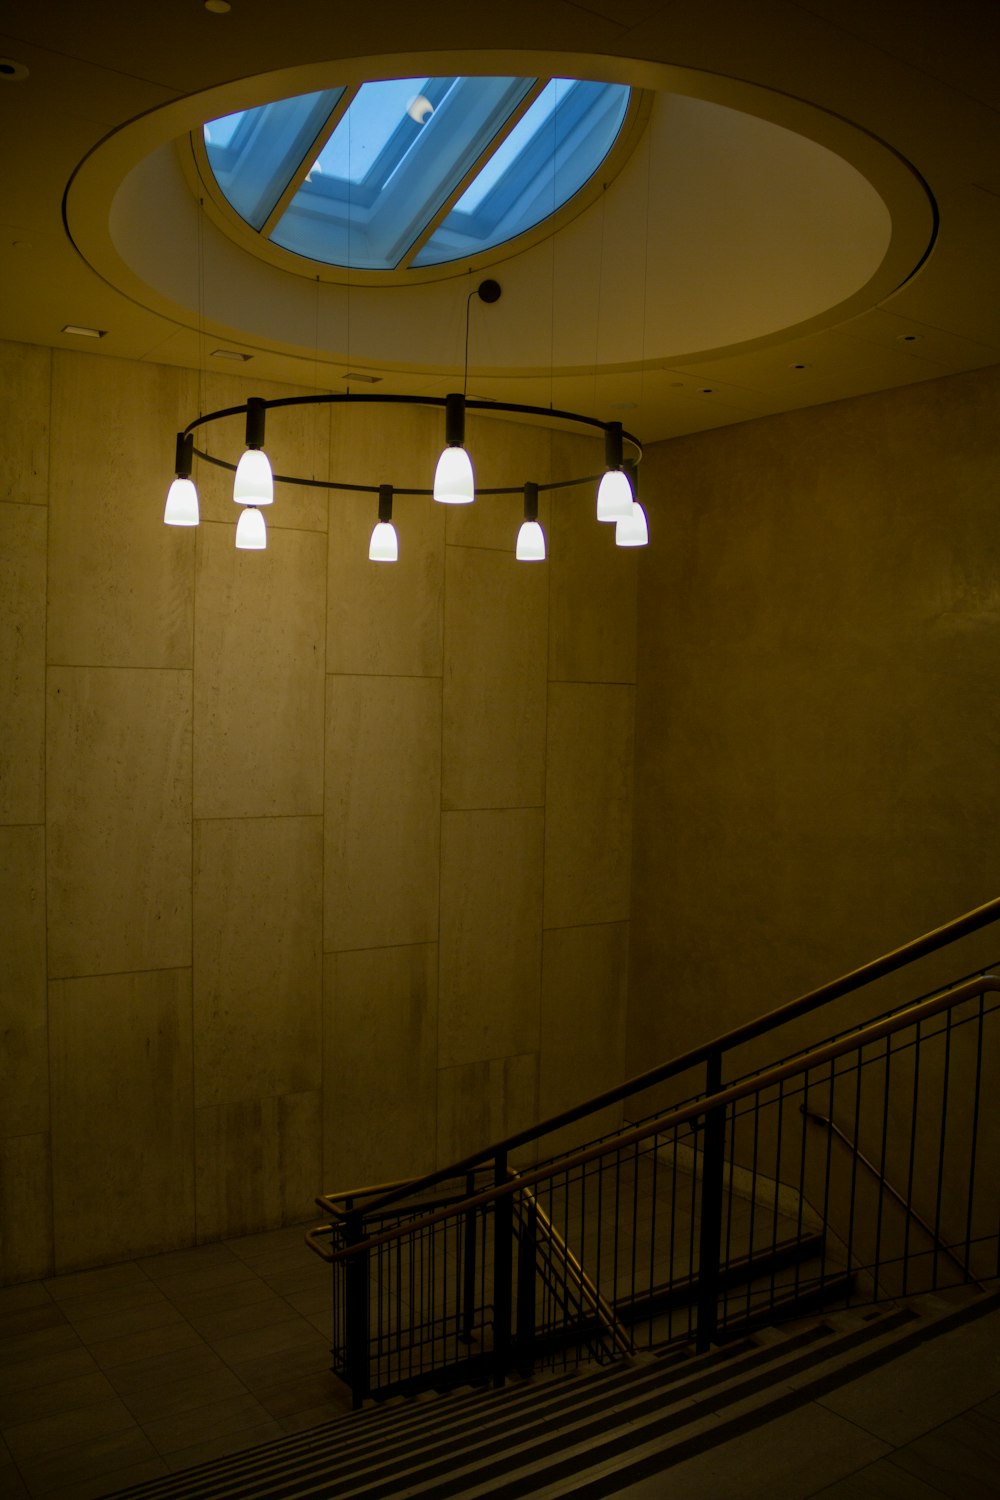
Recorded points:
(256, 408)
(454, 420)
(614, 453)
(184, 456)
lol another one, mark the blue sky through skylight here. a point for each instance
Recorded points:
(509, 150)
(364, 132)
(373, 191)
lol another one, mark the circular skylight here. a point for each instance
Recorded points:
(413, 171)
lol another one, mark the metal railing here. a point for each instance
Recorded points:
(721, 1211)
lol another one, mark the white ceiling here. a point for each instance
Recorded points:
(730, 271)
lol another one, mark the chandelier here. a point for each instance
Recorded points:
(454, 480)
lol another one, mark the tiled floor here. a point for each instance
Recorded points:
(113, 1376)
(925, 1426)
(136, 1371)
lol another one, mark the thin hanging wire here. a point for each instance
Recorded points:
(600, 289)
(468, 317)
(201, 307)
(552, 256)
(316, 384)
(350, 236)
(552, 284)
(645, 271)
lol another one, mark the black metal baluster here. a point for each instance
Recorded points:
(469, 1264)
(780, 1106)
(854, 1168)
(711, 1209)
(525, 1343)
(882, 1159)
(728, 1260)
(826, 1174)
(941, 1146)
(615, 1229)
(653, 1227)
(752, 1229)
(356, 1278)
(911, 1166)
(975, 1136)
(635, 1220)
(503, 1236)
(797, 1283)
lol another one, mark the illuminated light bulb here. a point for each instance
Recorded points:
(453, 481)
(254, 482)
(384, 545)
(632, 530)
(530, 543)
(614, 496)
(181, 508)
(251, 533)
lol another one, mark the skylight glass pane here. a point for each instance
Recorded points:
(375, 189)
(253, 154)
(548, 156)
(368, 125)
(510, 149)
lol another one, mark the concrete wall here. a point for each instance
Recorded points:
(818, 723)
(313, 872)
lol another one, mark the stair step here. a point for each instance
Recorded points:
(595, 1431)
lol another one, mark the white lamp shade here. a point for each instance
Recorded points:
(254, 482)
(633, 531)
(251, 533)
(614, 496)
(181, 508)
(530, 543)
(453, 482)
(384, 545)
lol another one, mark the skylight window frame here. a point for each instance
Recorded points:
(391, 157)
(504, 193)
(196, 167)
(489, 150)
(252, 126)
(307, 162)
(510, 193)
(409, 211)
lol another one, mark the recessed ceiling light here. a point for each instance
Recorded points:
(707, 390)
(363, 379)
(230, 354)
(11, 71)
(908, 338)
(84, 333)
(798, 365)
(218, 7)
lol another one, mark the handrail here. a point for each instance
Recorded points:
(880, 1177)
(313, 1237)
(855, 979)
(828, 1052)
(600, 1304)
(346, 1195)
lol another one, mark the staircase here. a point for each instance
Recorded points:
(592, 1433)
(581, 1323)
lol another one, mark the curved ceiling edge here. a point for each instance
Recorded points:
(129, 192)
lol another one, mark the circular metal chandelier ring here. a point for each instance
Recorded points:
(331, 398)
